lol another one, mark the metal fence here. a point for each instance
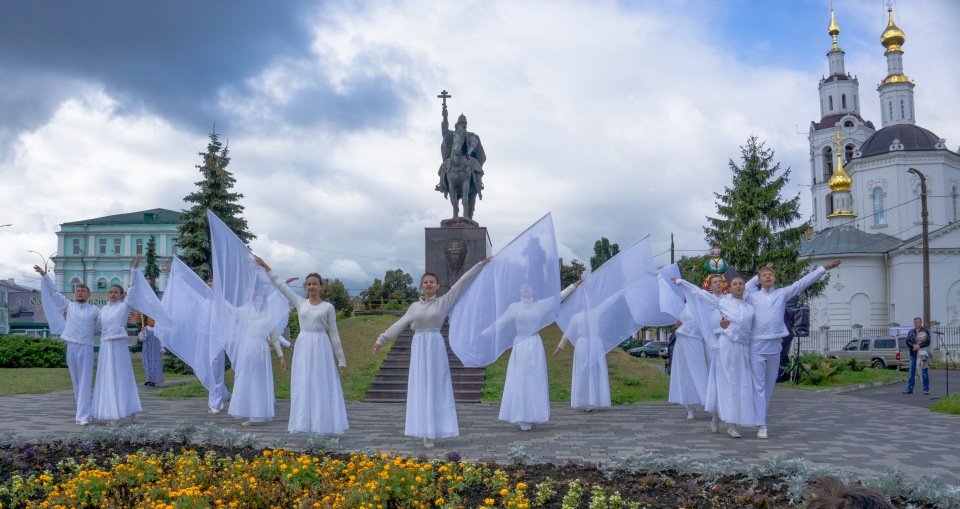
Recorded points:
(945, 337)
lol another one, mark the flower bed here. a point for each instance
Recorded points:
(169, 476)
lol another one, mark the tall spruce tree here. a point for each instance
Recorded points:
(151, 270)
(214, 194)
(755, 225)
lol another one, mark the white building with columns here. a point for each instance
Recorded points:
(866, 205)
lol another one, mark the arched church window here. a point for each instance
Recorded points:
(829, 204)
(879, 216)
(843, 101)
(903, 113)
(848, 153)
(830, 101)
(101, 284)
(74, 282)
(848, 124)
(827, 163)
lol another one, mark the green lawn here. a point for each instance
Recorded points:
(42, 380)
(357, 335)
(948, 405)
(844, 378)
(631, 379)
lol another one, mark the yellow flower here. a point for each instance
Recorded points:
(521, 486)
(489, 501)
(438, 502)
(504, 492)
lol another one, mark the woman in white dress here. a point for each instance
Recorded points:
(253, 396)
(706, 320)
(431, 410)
(688, 365)
(316, 397)
(115, 393)
(734, 379)
(526, 391)
(590, 381)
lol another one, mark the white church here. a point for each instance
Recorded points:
(867, 206)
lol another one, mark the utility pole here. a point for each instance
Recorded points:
(671, 249)
(926, 245)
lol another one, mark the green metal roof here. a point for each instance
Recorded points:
(152, 216)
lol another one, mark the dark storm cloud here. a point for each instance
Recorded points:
(171, 58)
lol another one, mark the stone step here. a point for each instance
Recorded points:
(390, 384)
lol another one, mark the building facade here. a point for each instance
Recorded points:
(867, 206)
(99, 252)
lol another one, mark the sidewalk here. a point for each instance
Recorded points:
(855, 431)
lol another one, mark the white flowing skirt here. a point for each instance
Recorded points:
(710, 402)
(735, 383)
(115, 393)
(431, 410)
(253, 397)
(590, 384)
(526, 393)
(316, 397)
(688, 372)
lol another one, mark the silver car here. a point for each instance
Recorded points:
(880, 352)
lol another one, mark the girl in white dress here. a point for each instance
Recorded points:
(431, 410)
(316, 397)
(253, 396)
(706, 320)
(526, 390)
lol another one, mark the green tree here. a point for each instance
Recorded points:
(755, 225)
(151, 270)
(214, 193)
(336, 293)
(395, 291)
(691, 268)
(603, 250)
(570, 274)
(372, 297)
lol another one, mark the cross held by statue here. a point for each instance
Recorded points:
(444, 95)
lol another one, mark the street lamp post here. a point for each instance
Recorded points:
(926, 244)
(44, 258)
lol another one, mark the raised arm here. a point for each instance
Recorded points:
(694, 292)
(804, 282)
(50, 290)
(450, 298)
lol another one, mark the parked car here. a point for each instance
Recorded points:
(651, 349)
(879, 352)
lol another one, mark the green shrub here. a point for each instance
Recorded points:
(818, 369)
(173, 364)
(30, 352)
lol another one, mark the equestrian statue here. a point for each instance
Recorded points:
(461, 173)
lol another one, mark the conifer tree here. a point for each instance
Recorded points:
(151, 271)
(755, 225)
(214, 193)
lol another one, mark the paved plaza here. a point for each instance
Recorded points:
(863, 431)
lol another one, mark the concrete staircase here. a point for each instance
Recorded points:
(390, 384)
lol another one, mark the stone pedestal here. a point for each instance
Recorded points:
(451, 251)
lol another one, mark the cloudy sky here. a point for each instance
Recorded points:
(617, 117)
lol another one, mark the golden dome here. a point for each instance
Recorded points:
(892, 38)
(840, 181)
(834, 30)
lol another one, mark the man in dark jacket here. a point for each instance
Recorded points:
(918, 339)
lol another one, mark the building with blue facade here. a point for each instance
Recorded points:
(100, 251)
